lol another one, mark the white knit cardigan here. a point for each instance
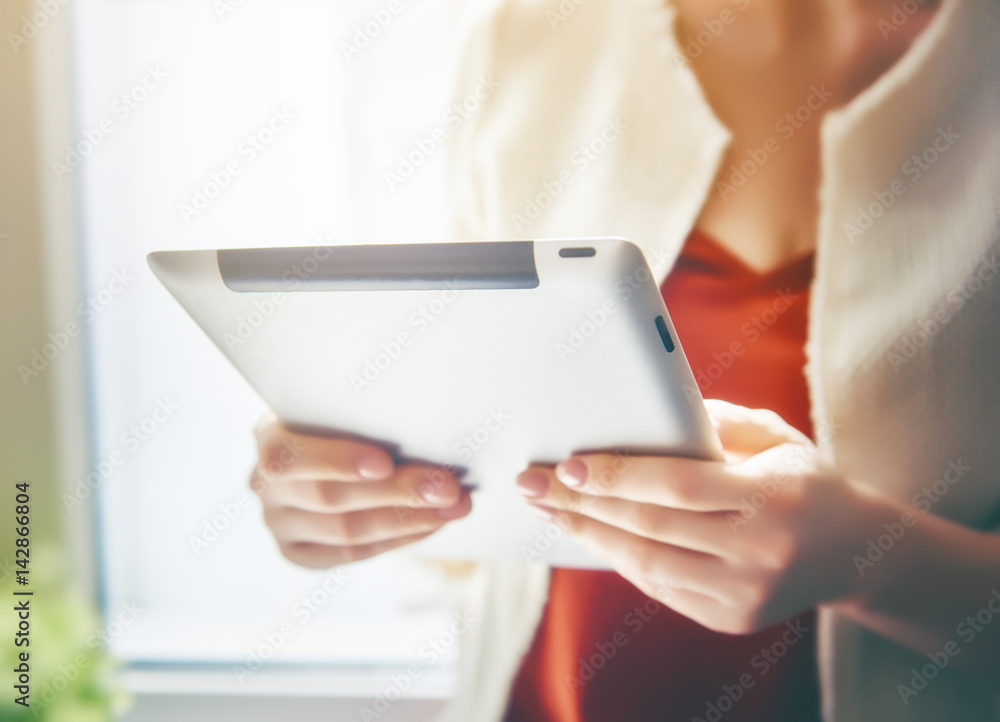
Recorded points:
(904, 330)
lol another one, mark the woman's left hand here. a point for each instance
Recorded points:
(737, 545)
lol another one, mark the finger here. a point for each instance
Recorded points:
(706, 611)
(750, 431)
(412, 486)
(319, 556)
(706, 532)
(357, 528)
(666, 481)
(646, 561)
(291, 456)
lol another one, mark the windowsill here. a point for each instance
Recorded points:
(209, 693)
(365, 684)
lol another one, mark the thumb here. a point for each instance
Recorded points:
(746, 432)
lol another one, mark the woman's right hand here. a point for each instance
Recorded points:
(332, 501)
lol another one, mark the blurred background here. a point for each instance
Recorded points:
(129, 126)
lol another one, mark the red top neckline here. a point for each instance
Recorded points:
(703, 250)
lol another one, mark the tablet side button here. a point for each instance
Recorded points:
(661, 326)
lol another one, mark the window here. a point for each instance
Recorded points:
(235, 123)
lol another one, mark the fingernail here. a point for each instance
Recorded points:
(544, 513)
(374, 467)
(433, 494)
(454, 512)
(572, 472)
(533, 483)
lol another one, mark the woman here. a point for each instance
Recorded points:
(747, 137)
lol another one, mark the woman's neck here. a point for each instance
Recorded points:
(759, 60)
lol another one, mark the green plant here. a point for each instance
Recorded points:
(71, 677)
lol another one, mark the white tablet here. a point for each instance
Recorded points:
(482, 357)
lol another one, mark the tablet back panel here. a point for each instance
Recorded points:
(482, 357)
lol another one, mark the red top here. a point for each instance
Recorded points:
(744, 336)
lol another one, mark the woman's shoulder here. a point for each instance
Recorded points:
(559, 38)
